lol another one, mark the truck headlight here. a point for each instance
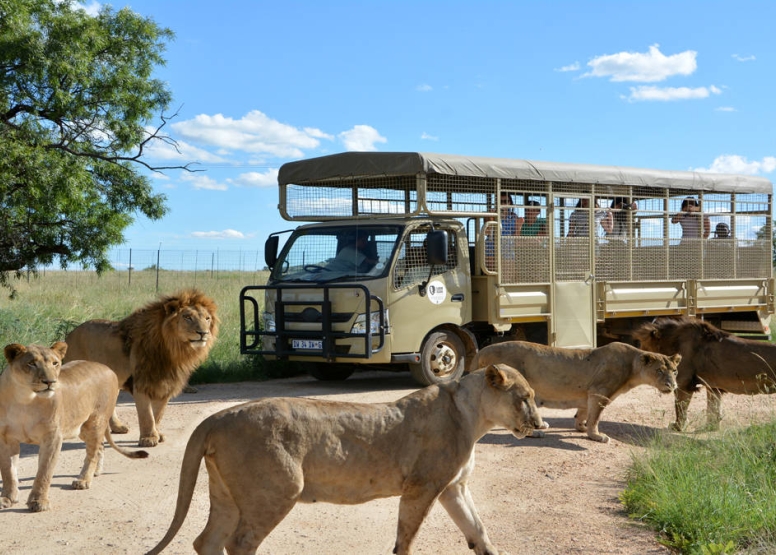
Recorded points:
(359, 326)
(269, 322)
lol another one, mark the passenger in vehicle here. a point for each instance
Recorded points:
(620, 208)
(690, 219)
(722, 231)
(533, 225)
(578, 222)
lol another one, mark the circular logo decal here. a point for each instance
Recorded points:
(436, 292)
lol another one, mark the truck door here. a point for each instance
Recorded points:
(573, 304)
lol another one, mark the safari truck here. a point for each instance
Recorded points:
(415, 261)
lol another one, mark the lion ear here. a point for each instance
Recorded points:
(655, 333)
(60, 348)
(496, 377)
(14, 350)
(646, 358)
(170, 307)
(677, 358)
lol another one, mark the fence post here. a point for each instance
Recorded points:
(129, 284)
(157, 266)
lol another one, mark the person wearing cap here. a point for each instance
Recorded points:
(352, 257)
(690, 219)
(722, 231)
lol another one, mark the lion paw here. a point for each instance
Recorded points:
(676, 427)
(538, 434)
(149, 441)
(6, 502)
(603, 438)
(119, 429)
(38, 505)
(81, 484)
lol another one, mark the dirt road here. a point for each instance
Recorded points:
(556, 495)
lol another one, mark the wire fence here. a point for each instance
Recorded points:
(161, 269)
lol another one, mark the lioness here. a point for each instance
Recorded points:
(585, 379)
(43, 403)
(264, 456)
(153, 351)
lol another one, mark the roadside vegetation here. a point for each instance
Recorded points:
(709, 496)
(46, 307)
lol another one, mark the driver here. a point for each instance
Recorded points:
(352, 257)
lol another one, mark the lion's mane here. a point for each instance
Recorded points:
(162, 362)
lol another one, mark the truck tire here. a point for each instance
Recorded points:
(331, 372)
(442, 359)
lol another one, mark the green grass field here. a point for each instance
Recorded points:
(46, 307)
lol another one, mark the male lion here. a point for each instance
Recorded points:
(153, 351)
(264, 456)
(43, 403)
(585, 379)
(716, 359)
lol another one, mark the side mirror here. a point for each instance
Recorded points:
(436, 249)
(271, 251)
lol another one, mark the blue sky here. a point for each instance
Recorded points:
(670, 85)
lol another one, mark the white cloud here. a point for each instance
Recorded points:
(733, 163)
(225, 234)
(361, 138)
(185, 153)
(203, 182)
(256, 179)
(254, 133)
(743, 58)
(667, 94)
(725, 109)
(424, 88)
(572, 67)
(642, 67)
(427, 137)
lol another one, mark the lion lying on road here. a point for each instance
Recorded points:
(42, 402)
(585, 379)
(264, 456)
(716, 359)
(153, 351)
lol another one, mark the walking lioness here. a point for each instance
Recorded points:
(264, 456)
(584, 379)
(43, 403)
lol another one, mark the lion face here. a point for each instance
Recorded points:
(661, 370)
(36, 367)
(192, 325)
(512, 404)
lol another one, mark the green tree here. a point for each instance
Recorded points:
(76, 96)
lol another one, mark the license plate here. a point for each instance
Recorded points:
(307, 344)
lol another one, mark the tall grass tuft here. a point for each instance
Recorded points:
(708, 496)
(45, 308)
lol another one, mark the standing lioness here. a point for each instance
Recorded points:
(584, 379)
(43, 403)
(264, 456)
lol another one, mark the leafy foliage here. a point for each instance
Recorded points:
(76, 93)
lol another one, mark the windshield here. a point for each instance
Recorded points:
(323, 255)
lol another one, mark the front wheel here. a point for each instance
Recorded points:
(441, 359)
(331, 372)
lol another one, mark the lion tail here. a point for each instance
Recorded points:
(195, 451)
(138, 454)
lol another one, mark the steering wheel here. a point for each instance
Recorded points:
(315, 268)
